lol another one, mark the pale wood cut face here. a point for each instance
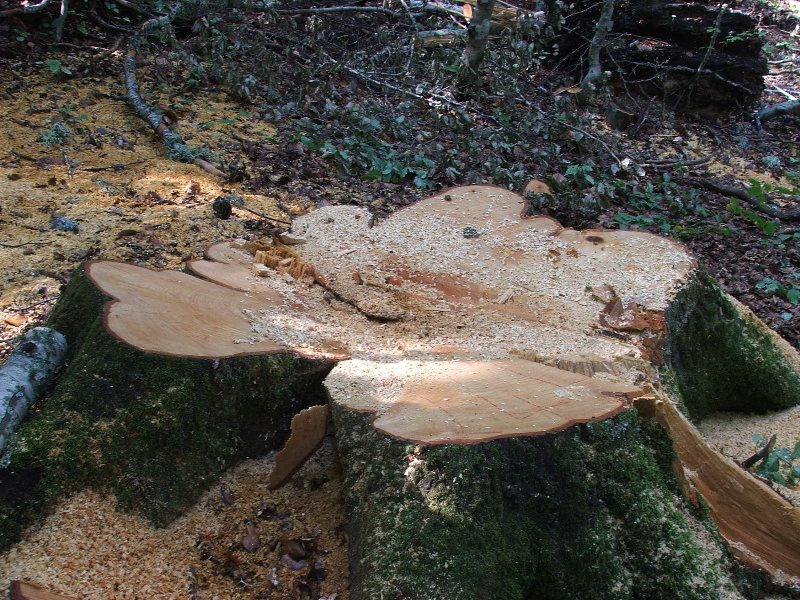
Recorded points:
(173, 313)
(470, 401)
(441, 300)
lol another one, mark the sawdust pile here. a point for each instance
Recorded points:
(87, 550)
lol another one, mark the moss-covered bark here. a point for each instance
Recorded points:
(591, 512)
(156, 431)
(721, 358)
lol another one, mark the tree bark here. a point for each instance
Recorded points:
(604, 25)
(477, 36)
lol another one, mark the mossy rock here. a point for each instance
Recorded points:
(155, 431)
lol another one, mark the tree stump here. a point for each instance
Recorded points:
(487, 370)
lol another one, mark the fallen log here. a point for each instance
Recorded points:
(27, 373)
(693, 54)
(483, 392)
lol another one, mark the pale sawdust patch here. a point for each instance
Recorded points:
(88, 550)
(144, 213)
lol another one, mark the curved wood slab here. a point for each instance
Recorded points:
(761, 528)
(22, 590)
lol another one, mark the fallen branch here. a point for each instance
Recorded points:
(26, 374)
(773, 211)
(790, 107)
(439, 37)
(177, 149)
(668, 163)
(114, 167)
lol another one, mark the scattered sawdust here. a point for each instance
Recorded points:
(152, 211)
(731, 434)
(87, 550)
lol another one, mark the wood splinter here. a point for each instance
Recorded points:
(308, 431)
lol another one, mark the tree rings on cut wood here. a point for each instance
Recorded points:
(308, 432)
(438, 323)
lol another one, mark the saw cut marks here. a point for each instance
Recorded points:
(173, 313)
(466, 402)
(437, 306)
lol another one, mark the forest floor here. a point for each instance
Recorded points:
(74, 156)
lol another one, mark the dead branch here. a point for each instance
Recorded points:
(439, 37)
(790, 107)
(669, 163)
(773, 211)
(176, 147)
(762, 453)
(114, 167)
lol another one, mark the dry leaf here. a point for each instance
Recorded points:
(535, 186)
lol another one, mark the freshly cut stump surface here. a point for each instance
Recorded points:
(444, 307)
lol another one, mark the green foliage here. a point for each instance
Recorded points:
(57, 135)
(56, 67)
(771, 286)
(781, 465)
(361, 153)
(767, 226)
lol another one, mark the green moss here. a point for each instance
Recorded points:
(722, 361)
(156, 431)
(587, 513)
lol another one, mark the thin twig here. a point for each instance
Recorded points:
(263, 216)
(114, 167)
(23, 244)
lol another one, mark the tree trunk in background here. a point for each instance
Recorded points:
(477, 36)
